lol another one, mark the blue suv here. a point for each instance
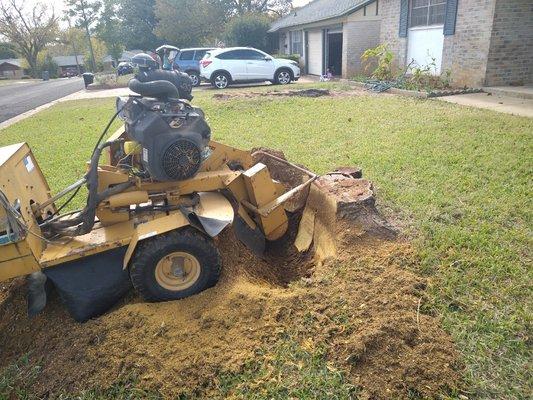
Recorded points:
(188, 60)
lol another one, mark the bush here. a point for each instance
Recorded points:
(248, 30)
(413, 77)
(380, 57)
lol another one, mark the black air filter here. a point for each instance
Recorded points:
(181, 160)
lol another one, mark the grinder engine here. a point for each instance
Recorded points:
(173, 136)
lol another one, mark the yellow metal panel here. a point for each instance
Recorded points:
(128, 198)
(18, 267)
(16, 259)
(222, 154)
(21, 179)
(261, 191)
(153, 228)
(98, 240)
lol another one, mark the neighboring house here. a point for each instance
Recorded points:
(330, 34)
(11, 68)
(125, 57)
(481, 42)
(69, 64)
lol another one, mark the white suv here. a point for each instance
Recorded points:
(222, 67)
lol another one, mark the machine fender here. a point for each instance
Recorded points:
(211, 215)
(153, 228)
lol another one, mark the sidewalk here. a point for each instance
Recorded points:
(494, 101)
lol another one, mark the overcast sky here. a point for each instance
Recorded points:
(299, 3)
(59, 5)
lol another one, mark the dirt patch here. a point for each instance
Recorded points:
(312, 93)
(364, 306)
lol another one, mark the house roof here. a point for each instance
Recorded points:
(13, 61)
(65, 61)
(126, 56)
(318, 10)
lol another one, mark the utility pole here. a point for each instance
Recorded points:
(86, 23)
(73, 42)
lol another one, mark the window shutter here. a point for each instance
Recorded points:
(451, 17)
(404, 17)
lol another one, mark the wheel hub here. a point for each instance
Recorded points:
(177, 271)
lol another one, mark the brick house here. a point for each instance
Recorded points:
(329, 34)
(11, 68)
(68, 65)
(481, 42)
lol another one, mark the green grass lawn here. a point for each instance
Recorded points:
(457, 179)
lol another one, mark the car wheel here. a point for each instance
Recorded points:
(195, 78)
(283, 77)
(220, 80)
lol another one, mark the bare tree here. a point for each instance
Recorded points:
(29, 30)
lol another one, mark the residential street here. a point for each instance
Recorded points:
(18, 98)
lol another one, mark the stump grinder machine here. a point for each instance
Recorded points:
(159, 191)
(152, 211)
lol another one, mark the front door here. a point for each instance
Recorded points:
(315, 55)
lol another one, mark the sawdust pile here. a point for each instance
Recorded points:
(364, 306)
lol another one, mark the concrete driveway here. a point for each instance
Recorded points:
(20, 97)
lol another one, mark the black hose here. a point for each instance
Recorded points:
(84, 221)
(158, 89)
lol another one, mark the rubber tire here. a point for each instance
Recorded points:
(213, 78)
(150, 251)
(191, 73)
(276, 79)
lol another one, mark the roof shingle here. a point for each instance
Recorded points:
(318, 10)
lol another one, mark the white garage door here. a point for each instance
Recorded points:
(314, 49)
(425, 45)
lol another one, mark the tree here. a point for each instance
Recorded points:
(29, 32)
(109, 29)
(7, 50)
(86, 13)
(242, 7)
(186, 23)
(138, 24)
(45, 62)
(248, 30)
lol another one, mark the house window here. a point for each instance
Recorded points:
(296, 42)
(427, 12)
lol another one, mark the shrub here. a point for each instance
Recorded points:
(414, 77)
(382, 58)
(248, 30)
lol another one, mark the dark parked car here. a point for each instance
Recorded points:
(188, 60)
(125, 68)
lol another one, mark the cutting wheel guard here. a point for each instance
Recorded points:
(265, 210)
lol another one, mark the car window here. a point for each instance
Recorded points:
(199, 54)
(187, 55)
(252, 55)
(230, 55)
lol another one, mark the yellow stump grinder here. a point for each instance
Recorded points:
(159, 191)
